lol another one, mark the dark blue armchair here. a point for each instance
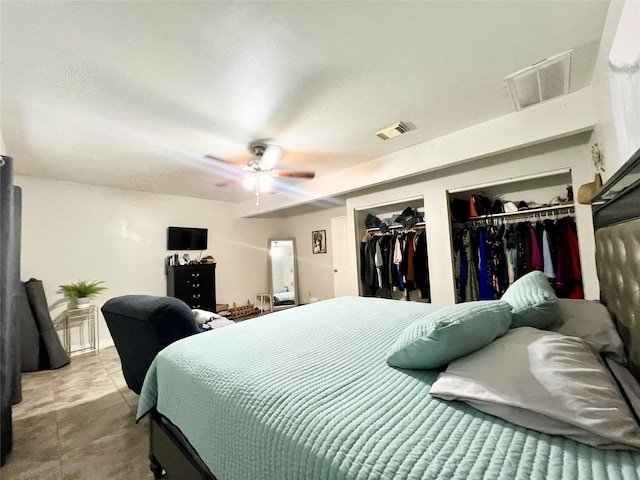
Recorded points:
(141, 326)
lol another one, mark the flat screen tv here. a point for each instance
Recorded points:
(181, 238)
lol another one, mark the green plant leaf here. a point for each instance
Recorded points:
(81, 289)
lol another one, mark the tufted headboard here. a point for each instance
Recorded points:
(617, 220)
(618, 266)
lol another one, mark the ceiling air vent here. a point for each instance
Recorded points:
(392, 131)
(542, 81)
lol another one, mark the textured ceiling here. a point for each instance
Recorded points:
(133, 94)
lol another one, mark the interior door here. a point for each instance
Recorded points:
(341, 275)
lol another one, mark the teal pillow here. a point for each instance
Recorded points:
(449, 333)
(533, 300)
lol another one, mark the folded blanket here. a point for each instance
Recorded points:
(217, 323)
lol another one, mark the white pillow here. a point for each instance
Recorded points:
(544, 381)
(591, 321)
(204, 316)
(628, 384)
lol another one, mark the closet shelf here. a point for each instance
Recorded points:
(397, 227)
(569, 207)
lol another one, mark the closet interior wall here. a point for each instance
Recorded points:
(413, 290)
(548, 212)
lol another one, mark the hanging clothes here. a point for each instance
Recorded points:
(553, 232)
(524, 248)
(484, 280)
(472, 287)
(397, 260)
(497, 256)
(408, 253)
(515, 253)
(407, 266)
(549, 270)
(536, 253)
(378, 262)
(496, 261)
(365, 275)
(420, 265)
(459, 265)
(569, 274)
(370, 271)
(510, 273)
(384, 244)
(390, 270)
(394, 262)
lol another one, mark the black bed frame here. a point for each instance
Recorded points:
(619, 198)
(171, 451)
(617, 202)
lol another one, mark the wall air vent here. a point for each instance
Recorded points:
(392, 131)
(542, 81)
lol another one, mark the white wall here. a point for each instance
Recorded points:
(3, 149)
(76, 232)
(315, 271)
(571, 153)
(605, 130)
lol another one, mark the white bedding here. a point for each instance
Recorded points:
(284, 296)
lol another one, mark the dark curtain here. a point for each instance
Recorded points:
(46, 348)
(29, 335)
(10, 214)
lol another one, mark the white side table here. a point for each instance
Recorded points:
(263, 302)
(85, 322)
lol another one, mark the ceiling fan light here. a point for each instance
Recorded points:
(249, 182)
(266, 182)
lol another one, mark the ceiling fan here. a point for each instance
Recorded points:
(259, 172)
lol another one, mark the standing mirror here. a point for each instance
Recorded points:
(283, 276)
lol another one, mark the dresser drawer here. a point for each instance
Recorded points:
(194, 278)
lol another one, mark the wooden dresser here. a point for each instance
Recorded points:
(193, 284)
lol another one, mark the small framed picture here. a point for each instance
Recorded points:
(319, 239)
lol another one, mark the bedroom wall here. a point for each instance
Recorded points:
(605, 130)
(2, 147)
(74, 231)
(571, 153)
(315, 271)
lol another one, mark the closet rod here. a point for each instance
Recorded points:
(505, 181)
(398, 227)
(530, 212)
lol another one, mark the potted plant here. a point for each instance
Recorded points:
(82, 292)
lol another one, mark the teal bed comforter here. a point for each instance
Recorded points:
(306, 393)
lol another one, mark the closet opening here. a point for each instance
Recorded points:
(393, 258)
(506, 229)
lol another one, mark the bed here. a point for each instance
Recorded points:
(310, 394)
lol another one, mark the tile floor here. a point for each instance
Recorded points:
(77, 423)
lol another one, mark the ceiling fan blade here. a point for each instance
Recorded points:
(231, 181)
(294, 174)
(218, 159)
(270, 156)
